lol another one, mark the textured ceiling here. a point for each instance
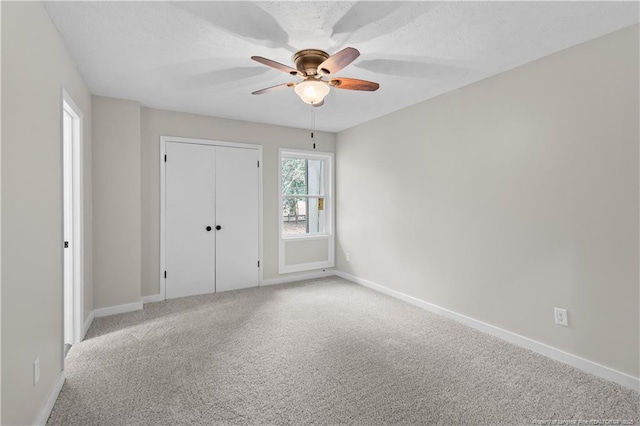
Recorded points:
(195, 56)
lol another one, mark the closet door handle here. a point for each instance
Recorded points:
(218, 227)
(208, 228)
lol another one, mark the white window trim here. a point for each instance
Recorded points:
(329, 235)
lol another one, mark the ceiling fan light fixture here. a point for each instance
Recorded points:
(312, 65)
(312, 91)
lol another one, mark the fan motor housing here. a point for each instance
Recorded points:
(308, 60)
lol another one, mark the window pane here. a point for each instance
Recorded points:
(303, 216)
(294, 216)
(302, 177)
(294, 176)
(316, 215)
(315, 172)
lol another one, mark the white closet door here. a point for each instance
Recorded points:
(190, 209)
(237, 215)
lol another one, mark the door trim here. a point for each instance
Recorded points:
(77, 202)
(211, 142)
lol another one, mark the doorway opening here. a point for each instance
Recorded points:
(72, 222)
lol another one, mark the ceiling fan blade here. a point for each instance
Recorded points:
(273, 88)
(338, 61)
(354, 84)
(276, 65)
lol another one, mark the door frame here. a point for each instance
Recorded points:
(76, 317)
(210, 142)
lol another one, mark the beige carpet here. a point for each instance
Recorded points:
(316, 352)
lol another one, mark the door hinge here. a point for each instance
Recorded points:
(66, 244)
(258, 163)
(165, 158)
(258, 263)
(165, 274)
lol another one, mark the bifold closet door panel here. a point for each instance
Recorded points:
(237, 215)
(190, 184)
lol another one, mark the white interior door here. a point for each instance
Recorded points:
(72, 191)
(189, 219)
(67, 195)
(237, 215)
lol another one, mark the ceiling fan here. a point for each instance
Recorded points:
(312, 65)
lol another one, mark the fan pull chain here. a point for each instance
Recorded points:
(313, 111)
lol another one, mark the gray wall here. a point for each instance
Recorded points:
(498, 201)
(126, 172)
(156, 123)
(116, 184)
(509, 197)
(35, 68)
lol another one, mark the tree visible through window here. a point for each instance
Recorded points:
(303, 195)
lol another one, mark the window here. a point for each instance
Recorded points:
(305, 194)
(306, 240)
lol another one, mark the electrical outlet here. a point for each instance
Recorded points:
(348, 256)
(36, 371)
(560, 316)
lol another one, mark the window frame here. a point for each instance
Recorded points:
(329, 203)
(327, 195)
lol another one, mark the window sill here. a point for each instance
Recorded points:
(305, 237)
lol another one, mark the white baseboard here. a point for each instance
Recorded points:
(152, 299)
(51, 401)
(87, 324)
(298, 277)
(120, 309)
(289, 278)
(591, 367)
